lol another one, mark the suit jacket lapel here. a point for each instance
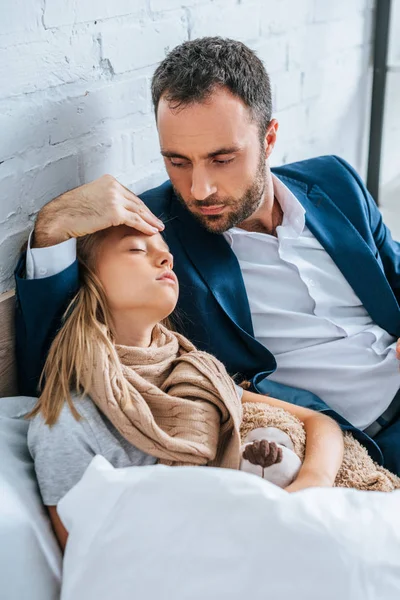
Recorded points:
(218, 266)
(216, 263)
(349, 251)
(333, 230)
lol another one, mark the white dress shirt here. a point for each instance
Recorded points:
(45, 262)
(306, 313)
(303, 310)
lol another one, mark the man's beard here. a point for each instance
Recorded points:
(242, 208)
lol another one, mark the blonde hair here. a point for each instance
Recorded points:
(85, 324)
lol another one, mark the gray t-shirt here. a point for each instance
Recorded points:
(62, 453)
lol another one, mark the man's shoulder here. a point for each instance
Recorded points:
(335, 178)
(318, 170)
(158, 199)
(331, 174)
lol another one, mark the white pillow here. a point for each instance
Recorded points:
(30, 559)
(192, 533)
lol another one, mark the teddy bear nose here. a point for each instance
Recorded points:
(263, 453)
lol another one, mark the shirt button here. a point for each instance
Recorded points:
(311, 282)
(42, 271)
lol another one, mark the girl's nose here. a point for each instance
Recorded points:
(166, 260)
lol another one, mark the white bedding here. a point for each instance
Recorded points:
(30, 559)
(189, 533)
(160, 533)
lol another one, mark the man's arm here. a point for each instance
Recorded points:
(388, 248)
(44, 290)
(48, 261)
(92, 207)
(59, 529)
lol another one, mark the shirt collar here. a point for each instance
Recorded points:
(293, 212)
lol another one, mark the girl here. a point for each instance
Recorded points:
(120, 383)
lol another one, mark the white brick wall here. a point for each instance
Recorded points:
(391, 138)
(75, 77)
(68, 12)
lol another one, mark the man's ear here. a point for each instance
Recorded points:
(270, 137)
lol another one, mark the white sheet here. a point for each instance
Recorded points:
(30, 559)
(160, 533)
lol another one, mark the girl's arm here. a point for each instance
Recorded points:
(59, 529)
(324, 444)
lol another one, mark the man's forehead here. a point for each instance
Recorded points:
(220, 125)
(202, 134)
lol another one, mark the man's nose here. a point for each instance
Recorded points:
(202, 184)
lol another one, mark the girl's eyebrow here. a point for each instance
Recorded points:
(143, 238)
(134, 235)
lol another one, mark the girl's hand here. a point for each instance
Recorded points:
(324, 444)
(398, 349)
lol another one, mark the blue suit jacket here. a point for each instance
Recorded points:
(213, 308)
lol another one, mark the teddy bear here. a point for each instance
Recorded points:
(273, 447)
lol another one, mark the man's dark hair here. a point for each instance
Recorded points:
(192, 71)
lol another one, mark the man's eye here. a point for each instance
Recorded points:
(174, 164)
(136, 250)
(224, 162)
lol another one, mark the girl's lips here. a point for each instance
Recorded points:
(212, 210)
(169, 277)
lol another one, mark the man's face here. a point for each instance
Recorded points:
(214, 159)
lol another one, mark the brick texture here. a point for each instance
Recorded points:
(75, 77)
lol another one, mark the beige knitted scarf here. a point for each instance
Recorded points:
(183, 407)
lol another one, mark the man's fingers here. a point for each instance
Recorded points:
(137, 222)
(134, 204)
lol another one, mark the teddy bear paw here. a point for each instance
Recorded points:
(263, 453)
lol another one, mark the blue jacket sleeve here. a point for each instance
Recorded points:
(388, 248)
(40, 304)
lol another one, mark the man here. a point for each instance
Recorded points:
(287, 275)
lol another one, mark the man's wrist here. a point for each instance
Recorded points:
(43, 239)
(47, 231)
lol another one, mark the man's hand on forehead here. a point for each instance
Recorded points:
(93, 207)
